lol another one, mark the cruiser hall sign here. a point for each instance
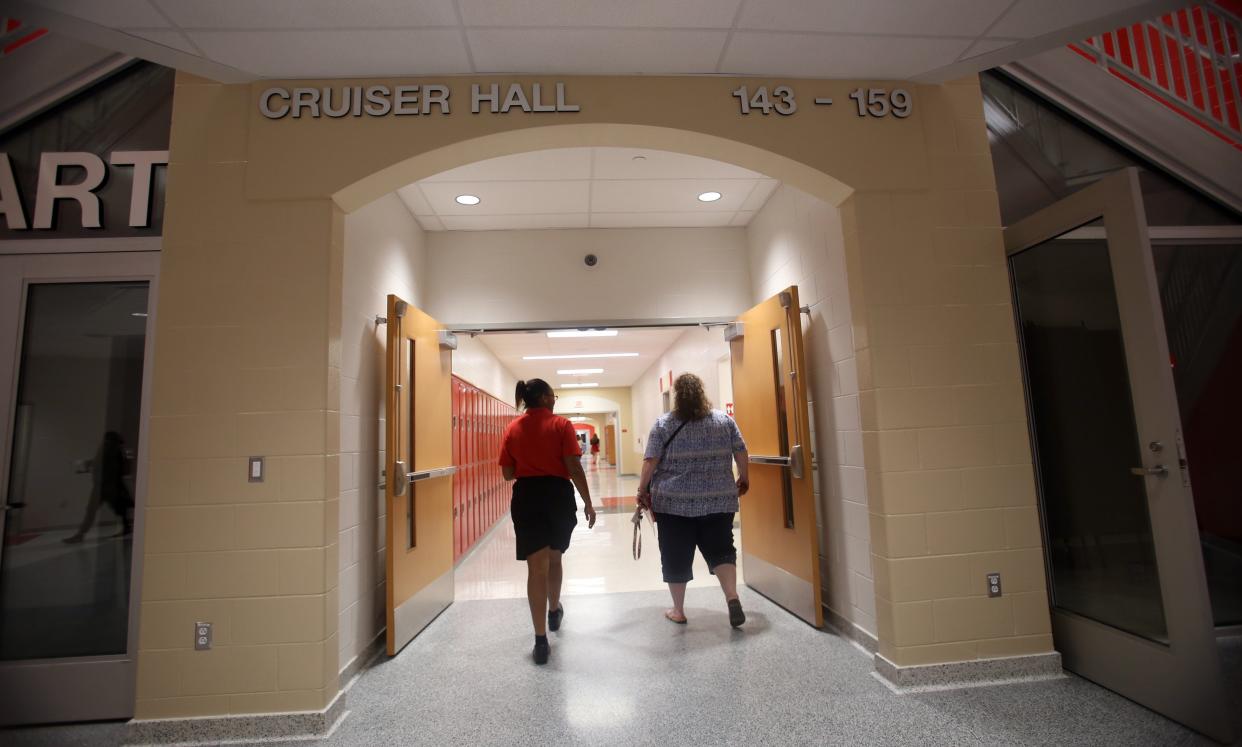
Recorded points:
(382, 101)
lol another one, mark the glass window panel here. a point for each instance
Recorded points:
(65, 567)
(782, 424)
(1201, 296)
(1098, 531)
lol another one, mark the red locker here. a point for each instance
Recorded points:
(457, 463)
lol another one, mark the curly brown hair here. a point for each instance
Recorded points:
(689, 401)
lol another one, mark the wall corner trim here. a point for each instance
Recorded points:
(212, 730)
(1006, 670)
(851, 630)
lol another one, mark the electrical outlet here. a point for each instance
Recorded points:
(994, 585)
(202, 636)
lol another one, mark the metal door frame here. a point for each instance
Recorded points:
(84, 687)
(1151, 673)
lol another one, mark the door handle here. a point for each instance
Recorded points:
(1159, 471)
(779, 461)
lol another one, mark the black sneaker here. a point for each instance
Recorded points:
(555, 617)
(736, 615)
(541, 652)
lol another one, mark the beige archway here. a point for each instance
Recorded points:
(412, 169)
(248, 356)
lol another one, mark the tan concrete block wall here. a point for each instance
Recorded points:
(949, 473)
(248, 361)
(242, 368)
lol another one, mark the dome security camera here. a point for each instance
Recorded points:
(590, 260)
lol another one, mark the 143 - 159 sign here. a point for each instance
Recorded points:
(871, 102)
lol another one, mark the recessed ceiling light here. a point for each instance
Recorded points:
(473, 200)
(709, 197)
(579, 371)
(583, 333)
(639, 158)
(571, 357)
(578, 386)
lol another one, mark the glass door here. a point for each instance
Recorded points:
(1199, 273)
(1129, 600)
(75, 344)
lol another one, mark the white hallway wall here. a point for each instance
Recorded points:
(539, 276)
(697, 351)
(385, 252)
(797, 240)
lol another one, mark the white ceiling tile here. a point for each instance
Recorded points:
(667, 195)
(983, 46)
(508, 198)
(595, 51)
(942, 18)
(620, 163)
(114, 13)
(557, 163)
(172, 39)
(660, 220)
(631, 13)
(307, 14)
(430, 223)
(413, 198)
(283, 54)
(1030, 18)
(514, 222)
(758, 197)
(808, 55)
(742, 218)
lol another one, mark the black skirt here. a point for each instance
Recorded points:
(544, 514)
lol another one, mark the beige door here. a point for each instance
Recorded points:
(418, 446)
(780, 541)
(1129, 602)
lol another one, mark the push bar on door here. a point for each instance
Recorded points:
(398, 468)
(793, 461)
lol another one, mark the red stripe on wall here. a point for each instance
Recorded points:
(13, 46)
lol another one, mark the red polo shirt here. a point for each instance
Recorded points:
(537, 443)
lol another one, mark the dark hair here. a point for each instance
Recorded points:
(529, 392)
(689, 401)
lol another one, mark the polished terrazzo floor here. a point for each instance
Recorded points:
(622, 675)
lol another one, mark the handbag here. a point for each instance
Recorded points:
(636, 545)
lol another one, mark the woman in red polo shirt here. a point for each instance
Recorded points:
(541, 450)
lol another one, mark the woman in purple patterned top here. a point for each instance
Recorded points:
(690, 456)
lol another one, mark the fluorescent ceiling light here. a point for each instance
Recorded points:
(473, 200)
(571, 357)
(578, 419)
(578, 386)
(579, 371)
(583, 333)
(709, 197)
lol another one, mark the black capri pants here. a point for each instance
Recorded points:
(544, 514)
(679, 535)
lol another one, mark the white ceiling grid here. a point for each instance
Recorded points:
(902, 39)
(588, 188)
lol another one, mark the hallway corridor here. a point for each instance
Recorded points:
(599, 561)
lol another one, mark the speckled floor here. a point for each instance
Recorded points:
(620, 674)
